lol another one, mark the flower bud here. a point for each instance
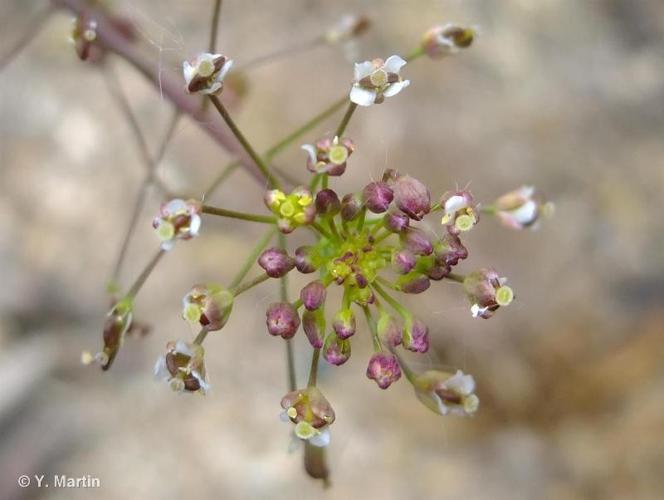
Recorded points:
(413, 283)
(460, 211)
(416, 336)
(396, 222)
(177, 220)
(344, 324)
(412, 197)
(486, 292)
(449, 250)
(282, 320)
(437, 273)
(276, 262)
(183, 367)
(404, 261)
(329, 156)
(377, 197)
(327, 203)
(348, 27)
(205, 75)
(336, 351)
(293, 210)
(445, 393)
(388, 329)
(384, 369)
(208, 306)
(117, 324)
(519, 209)
(446, 40)
(303, 259)
(417, 241)
(313, 295)
(351, 204)
(313, 324)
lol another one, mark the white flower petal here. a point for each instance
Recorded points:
(395, 88)
(477, 311)
(174, 206)
(362, 97)
(311, 150)
(455, 203)
(182, 348)
(526, 213)
(224, 69)
(188, 71)
(321, 439)
(363, 70)
(195, 224)
(160, 370)
(393, 64)
(463, 384)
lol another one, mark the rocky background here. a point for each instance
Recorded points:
(563, 94)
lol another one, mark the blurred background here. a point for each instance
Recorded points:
(561, 94)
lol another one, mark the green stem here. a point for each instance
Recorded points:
(140, 281)
(201, 336)
(455, 277)
(239, 289)
(333, 228)
(386, 283)
(415, 54)
(403, 312)
(321, 230)
(361, 219)
(262, 166)
(410, 375)
(488, 209)
(313, 371)
(251, 259)
(344, 121)
(325, 181)
(374, 329)
(314, 182)
(265, 219)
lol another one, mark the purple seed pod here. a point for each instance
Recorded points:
(417, 241)
(282, 320)
(416, 336)
(396, 222)
(413, 283)
(327, 203)
(404, 261)
(384, 369)
(351, 204)
(449, 250)
(313, 295)
(412, 197)
(276, 262)
(313, 324)
(336, 351)
(344, 324)
(377, 197)
(389, 332)
(303, 260)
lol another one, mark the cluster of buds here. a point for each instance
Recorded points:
(177, 220)
(205, 75)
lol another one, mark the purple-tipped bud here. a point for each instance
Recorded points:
(313, 324)
(377, 197)
(351, 204)
(437, 273)
(336, 351)
(404, 261)
(384, 369)
(344, 324)
(303, 259)
(327, 203)
(276, 262)
(313, 295)
(388, 330)
(412, 197)
(413, 283)
(396, 222)
(416, 336)
(449, 250)
(417, 241)
(282, 320)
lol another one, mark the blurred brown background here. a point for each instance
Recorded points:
(563, 94)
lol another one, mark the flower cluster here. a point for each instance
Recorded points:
(292, 210)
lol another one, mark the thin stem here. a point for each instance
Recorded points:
(265, 219)
(283, 52)
(251, 259)
(390, 300)
(313, 371)
(344, 121)
(333, 228)
(321, 230)
(415, 54)
(488, 209)
(456, 277)
(361, 218)
(410, 375)
(290, 356)
(28, 34)
(214, 26)
(201, 336)
(386, 283)
(239, 289)
(262, 166)
(140, 199)
(374, 329)
(142, 278)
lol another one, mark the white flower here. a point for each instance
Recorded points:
(519, 209)
(445, 393)
(377, 79)
(177, 219)
(206, 74)
(446, 40)
(183, 367)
